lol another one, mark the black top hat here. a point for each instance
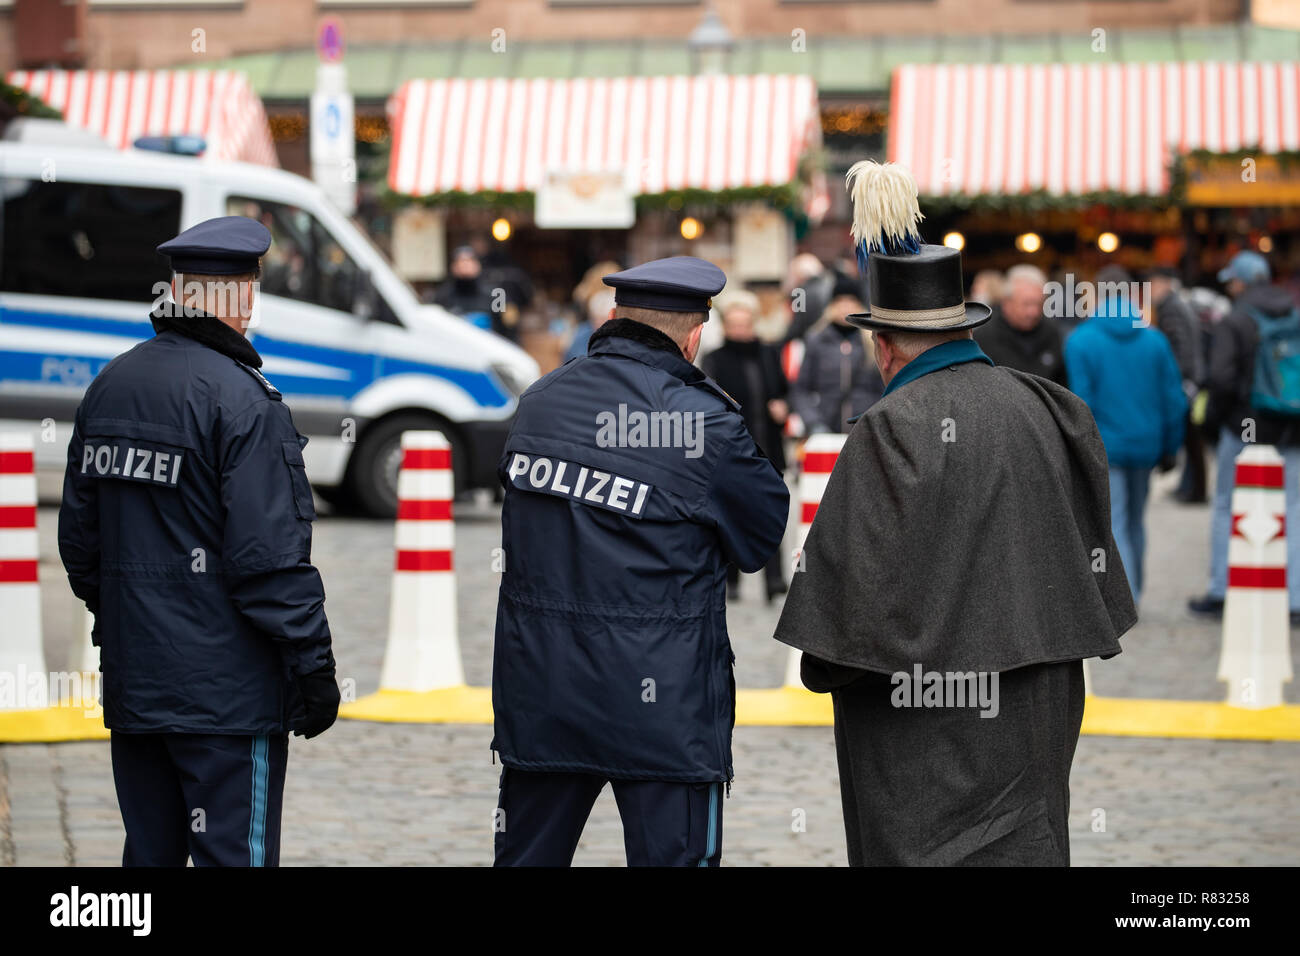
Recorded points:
(913, 287)
(918, 292)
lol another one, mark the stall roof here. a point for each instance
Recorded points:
(838, 65)
(1083, 128)
(470, 135)
(122, 105)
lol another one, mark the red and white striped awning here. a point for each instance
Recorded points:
(666, 132)
(122, 105)
(1076, 129)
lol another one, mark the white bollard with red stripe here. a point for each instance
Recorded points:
(820, 453)
(1256, 657)
(22, 653)
(423, 650)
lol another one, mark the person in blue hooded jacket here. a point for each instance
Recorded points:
(631, 485)
(1127, 374)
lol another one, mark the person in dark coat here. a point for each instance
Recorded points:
(1230, 381)
(631, 485)
(837, 379)
(467, 293)
(1182, 327)
(1017, 335)
(959, 569)
(186, 529)
(750, 372)
(810, 286)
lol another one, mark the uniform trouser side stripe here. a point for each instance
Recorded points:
(257, 808)
(711, 845)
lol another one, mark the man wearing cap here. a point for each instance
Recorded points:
(959, 569)
(631, 485)
(186, 529)
(1234, 405)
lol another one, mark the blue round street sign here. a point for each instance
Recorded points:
(332, 120)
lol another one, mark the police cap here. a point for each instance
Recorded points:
(226, 246)
(677, 284)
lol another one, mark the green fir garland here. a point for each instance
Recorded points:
(24, 104)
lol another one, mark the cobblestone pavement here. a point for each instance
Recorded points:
(424, 794)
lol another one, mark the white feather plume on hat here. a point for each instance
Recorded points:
(885, 209)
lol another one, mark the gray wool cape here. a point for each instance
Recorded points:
(964, 531)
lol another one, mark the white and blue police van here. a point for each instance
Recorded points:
(358, 358)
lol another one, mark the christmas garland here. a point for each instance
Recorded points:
(703, 201)
(1041, 200)
(24, 104)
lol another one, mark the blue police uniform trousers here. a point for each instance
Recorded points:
(215, 798)
(541, 815)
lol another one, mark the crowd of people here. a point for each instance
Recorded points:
(1164, 369)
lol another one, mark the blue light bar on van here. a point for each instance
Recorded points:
(179, 145)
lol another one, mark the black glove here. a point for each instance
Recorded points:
(320, 697)
(1168, 463)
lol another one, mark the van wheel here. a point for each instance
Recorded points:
(372, 472)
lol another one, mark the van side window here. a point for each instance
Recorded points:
(85, 239)
(305, 262)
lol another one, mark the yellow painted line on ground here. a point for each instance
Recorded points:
(796, 707)
(1129, 717)
(775, 707)
(451, 705)
(783, 707)
(51, 725)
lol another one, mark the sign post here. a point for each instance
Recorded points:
(333, 140)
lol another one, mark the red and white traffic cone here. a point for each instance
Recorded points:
(22, 653)
(35, 705)
(1256, 657)
(423, 646)
(423, 680)
(819, 456)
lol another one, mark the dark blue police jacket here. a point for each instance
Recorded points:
(631, 483)
(186, 529)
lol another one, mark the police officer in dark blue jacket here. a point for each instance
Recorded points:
(631, 483)
(186, 529)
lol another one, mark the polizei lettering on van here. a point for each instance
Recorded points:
(591, 486)
(116, 458)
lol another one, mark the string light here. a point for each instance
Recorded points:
(1029, 242)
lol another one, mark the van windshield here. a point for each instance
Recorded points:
(306, 262)
(386, 257)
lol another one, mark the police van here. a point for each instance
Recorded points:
(358, 358)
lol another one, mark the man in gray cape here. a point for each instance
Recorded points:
(959, 570)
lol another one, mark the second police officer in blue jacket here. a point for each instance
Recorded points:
(631, 483)
(186, 529)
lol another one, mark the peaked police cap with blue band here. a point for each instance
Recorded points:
(227, 246)
(677, 284)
